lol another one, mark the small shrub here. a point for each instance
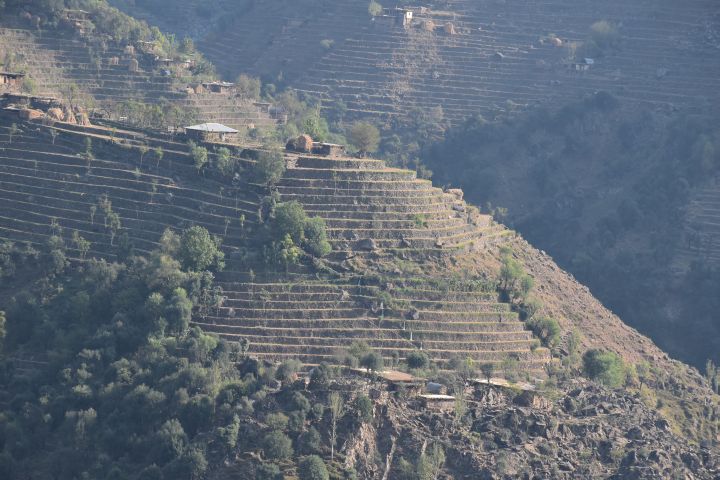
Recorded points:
(277, 421)
(374, 8)
(606, 367)
(546, 329)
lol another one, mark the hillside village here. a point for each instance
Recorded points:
(200, 279)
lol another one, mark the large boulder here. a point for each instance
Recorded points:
(56, 114)
(29, 114)
(367, 244)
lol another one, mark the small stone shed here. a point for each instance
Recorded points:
(218, 87)
(437, 402)
(10, 79)
(328, 149)
(208, 132)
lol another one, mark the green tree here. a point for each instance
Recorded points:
(277, 446)
(199, 155)
(289, 219)
(430, 463)
(417, 359)
(81, 245)
(310, 442)
(604, 366)
(373, 361)
(170, 441)
(277, 421)
(269, 167)
(178, 311)
(248, 87)
(546, 329)
(312, 467)
(144, 149)
(199, 250)
(487, 369)
(365, 136)
(224, 162)
(364, 408)
(159, 154)
(316, 241)
(374, 8)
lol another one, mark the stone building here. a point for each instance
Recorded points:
(209, 132)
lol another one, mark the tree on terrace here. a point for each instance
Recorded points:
(199, 250)
(365, 136)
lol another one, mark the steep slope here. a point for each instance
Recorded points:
(633, 185)
(400, 288)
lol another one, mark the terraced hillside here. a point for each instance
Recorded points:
(101, 75)
(702, 227)
(47, 188)
(501, 57)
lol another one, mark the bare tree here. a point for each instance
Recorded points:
(337, 409)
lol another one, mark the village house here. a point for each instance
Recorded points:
(209, 132)
(11, 80)
(437, 402)
(328, 149)
(218, 87)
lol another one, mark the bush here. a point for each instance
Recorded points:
(417, 360)
(546, 329)
(313, 468)
(277, 446)
(316, 242)
(269, 167)
(277, 421)
(606, 367)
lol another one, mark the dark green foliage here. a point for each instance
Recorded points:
(277, 446)
(605, 367)
(316, 241)
(268, 471)
(310, 441)
(200, 251)
(546, 329)
(373, 361)
(364, 408)
(417, 359)
(515, 284)
(312, 467)
(269, 167)
(290, 220)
